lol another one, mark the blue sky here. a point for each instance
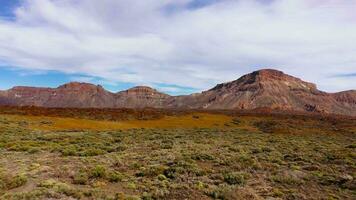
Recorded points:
(7, 7)
(176, 46)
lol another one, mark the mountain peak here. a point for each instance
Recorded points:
(268, 83)
(143, 90)
(276, 78)
(80, 85)
(269, 73)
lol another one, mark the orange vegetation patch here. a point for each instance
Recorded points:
(198, 120)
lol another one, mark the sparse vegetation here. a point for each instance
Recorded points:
(238, 161)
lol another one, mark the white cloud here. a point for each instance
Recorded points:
(163, 42)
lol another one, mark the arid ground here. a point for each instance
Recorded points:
(155, 154)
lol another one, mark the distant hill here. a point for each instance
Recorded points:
(267, 89)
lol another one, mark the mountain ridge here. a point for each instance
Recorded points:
(266, 88)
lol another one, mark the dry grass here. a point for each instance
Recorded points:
(197, 120)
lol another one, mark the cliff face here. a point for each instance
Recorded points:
(266, 88)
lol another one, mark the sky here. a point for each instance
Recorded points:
(175, 46)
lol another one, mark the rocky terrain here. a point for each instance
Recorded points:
(265, 88)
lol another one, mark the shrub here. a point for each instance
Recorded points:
(220, 193)
(17, 181)
(19, 147)
(115, 177)
(2, 184)
(153, 171)
(50, 183)
(141, 173)
(161, 177)
(146, 196)
(33, 150)
(69, 151)
(131, 185)
(98, 172)
(202, 157)
(235, 178)
(81, 178)
(167, 144)
(170, 173)
(286, 180)
(93, 152)
(63, 188)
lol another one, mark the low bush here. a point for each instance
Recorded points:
(115, 177)
(235, 178)
(98, 171)
(81, 178)
(202, 157)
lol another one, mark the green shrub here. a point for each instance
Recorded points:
(286, 180)
(222, 192)
(151, 171)
(98, 172)
(69, 151)
(81, 178)
(19, 147)
(50, 183)
(166, 144)
(146, 196)
(235, 178)
(64, 188)
(115, 177)
(17, 181)
(161, 177)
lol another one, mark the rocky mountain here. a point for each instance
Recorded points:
(272, 89)
(265, 88)
(69, 95)
(82, 95)
(141, 96)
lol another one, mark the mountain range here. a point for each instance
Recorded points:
(267, 88)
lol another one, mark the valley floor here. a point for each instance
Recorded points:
(188, 156)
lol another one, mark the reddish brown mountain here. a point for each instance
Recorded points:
(270, 89)
(82, 95)
(266, 88)
(139, 97)
(68, 95)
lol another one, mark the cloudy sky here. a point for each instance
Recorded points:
(177, 46)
